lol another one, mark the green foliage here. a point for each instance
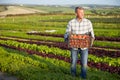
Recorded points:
(107, 44)
(109, 11)
(103, 25)
(57, 51)
(33, 67)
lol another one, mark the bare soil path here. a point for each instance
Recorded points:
(13, 10)
(4, 76)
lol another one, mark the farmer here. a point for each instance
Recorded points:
(79, 25)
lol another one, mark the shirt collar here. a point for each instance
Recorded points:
(78, 20)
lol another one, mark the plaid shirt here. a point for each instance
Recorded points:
(82, 27)
(76, 27)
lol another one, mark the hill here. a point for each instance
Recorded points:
(13, 10)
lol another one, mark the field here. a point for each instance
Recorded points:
(32, 47)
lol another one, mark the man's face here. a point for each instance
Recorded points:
(80, 14)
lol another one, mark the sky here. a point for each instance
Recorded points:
(61, 2)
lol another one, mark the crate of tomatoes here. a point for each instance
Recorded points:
(79, 41)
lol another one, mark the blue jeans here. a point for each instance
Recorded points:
(83, 59)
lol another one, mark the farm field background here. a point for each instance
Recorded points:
(32, 46)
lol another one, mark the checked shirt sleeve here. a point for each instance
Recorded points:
(68, 31)
(91, 30)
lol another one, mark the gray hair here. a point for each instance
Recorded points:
(80, 8)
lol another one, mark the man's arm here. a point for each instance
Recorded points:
(68, 31)
(91, 33)
(92, 40)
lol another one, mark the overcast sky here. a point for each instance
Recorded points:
(61, 2)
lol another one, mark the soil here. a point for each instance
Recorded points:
(4, 76)
(19, 10)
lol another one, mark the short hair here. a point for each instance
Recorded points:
(80, 8)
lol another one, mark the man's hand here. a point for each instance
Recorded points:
(92, 40)
(66, 38)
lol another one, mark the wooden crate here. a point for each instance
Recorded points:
(79, 41)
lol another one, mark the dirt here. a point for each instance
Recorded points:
(4, 76)
(19, 10)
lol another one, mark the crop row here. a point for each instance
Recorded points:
(27, 67)
(94, 51)
(57, 51)
(61, 35)
(33, 67)
(94, 20)
(98, 65)
(102, 44)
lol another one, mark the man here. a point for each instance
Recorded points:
(79, 25)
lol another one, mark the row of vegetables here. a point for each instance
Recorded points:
(117, 39)
(54, 65)
(95, 51)
(94, 20)
(112, 63)
(33, 67)
(106, 44)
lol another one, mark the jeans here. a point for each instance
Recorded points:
(83, 59)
